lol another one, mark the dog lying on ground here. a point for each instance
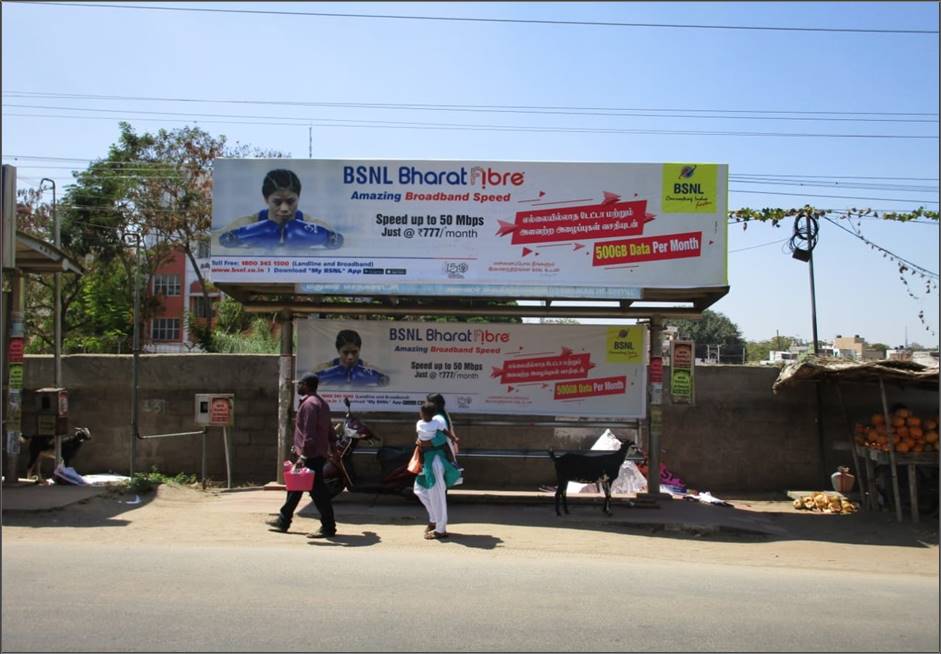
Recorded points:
(43, 447)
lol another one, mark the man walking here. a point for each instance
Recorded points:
(313, 442)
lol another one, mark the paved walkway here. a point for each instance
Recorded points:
(666, 514)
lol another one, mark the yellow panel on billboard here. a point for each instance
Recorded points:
(689, 188)
(625, 344)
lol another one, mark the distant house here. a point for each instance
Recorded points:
(177, 287)
(856, 348)
(928, 358)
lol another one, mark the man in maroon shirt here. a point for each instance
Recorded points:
(313, 442)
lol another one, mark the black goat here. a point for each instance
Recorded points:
(588, 467)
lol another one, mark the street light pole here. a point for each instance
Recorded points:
(57, 287)
(813, 293)
(135, 365)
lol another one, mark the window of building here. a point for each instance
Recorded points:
(165, 329)
(166, 285)
(202, 250)
(201, 307)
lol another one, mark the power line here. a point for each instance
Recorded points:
(844, 197)
(495, 20)
(503, 128)
(835, 184)
(911, 265)
(538, 112)
(753, 247)
(449, 107)
(917, 179)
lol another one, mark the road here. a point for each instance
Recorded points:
(462, 596)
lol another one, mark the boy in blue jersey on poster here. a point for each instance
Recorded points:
(281, 224)
(348, 369)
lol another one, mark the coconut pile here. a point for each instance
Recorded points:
(825, 503)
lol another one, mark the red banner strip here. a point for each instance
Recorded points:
(591, 388)
(653, 248)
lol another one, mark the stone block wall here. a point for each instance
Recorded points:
(738, 435)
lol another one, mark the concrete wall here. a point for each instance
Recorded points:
(738, 436)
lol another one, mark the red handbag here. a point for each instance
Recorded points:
(415, 464)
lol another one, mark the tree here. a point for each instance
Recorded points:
(173, 189)
(713, 329)
(759, 351)
(157, 187)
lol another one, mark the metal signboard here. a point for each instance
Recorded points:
(469, 228)
(215, 409)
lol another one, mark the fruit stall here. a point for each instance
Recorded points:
(893, 436)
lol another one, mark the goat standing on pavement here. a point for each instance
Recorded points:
(588, 467)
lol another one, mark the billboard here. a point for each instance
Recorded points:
(469, 228)
(496, 368)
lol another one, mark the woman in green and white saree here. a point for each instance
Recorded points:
(437, 473)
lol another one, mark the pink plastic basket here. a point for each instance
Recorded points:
(301, 480)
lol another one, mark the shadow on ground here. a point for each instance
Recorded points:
(103, 510)
(674, 519)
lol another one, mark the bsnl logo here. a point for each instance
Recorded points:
(686, 187)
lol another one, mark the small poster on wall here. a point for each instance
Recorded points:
(682, 362)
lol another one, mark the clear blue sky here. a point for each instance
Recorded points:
(734, 74)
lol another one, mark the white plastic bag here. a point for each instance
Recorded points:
(630, 480)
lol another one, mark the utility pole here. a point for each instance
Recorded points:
(57, 288)
(310, 141)
(135, 362)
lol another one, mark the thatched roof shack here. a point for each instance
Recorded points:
(823, 369)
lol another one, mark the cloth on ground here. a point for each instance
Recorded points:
(68, 476)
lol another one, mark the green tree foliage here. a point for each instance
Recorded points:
(156, 187)
(259, 339)
(713, 328)
(231, 317)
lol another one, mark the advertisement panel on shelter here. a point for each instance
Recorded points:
(523, 369)
(469, 228)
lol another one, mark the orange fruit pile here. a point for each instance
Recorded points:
(910, 434)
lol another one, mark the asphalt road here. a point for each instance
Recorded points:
(314, 595)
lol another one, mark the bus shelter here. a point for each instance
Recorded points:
(405, 239)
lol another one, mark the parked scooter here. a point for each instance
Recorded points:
(340, 473)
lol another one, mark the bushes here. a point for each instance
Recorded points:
(146, 482)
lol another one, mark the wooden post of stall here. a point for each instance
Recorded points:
(863, 489)
(890, 433)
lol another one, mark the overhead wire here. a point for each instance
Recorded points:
(910, 264)
(527, 21)
(569, 111)
(321, 122)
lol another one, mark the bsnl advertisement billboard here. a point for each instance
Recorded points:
(493, 368)
(470, 228)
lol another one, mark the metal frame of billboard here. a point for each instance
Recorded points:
(653, 302)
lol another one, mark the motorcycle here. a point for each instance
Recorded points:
(340, 473)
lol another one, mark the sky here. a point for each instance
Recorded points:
(827, 112)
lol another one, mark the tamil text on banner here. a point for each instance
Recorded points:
(553, 370)
(485, 229)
